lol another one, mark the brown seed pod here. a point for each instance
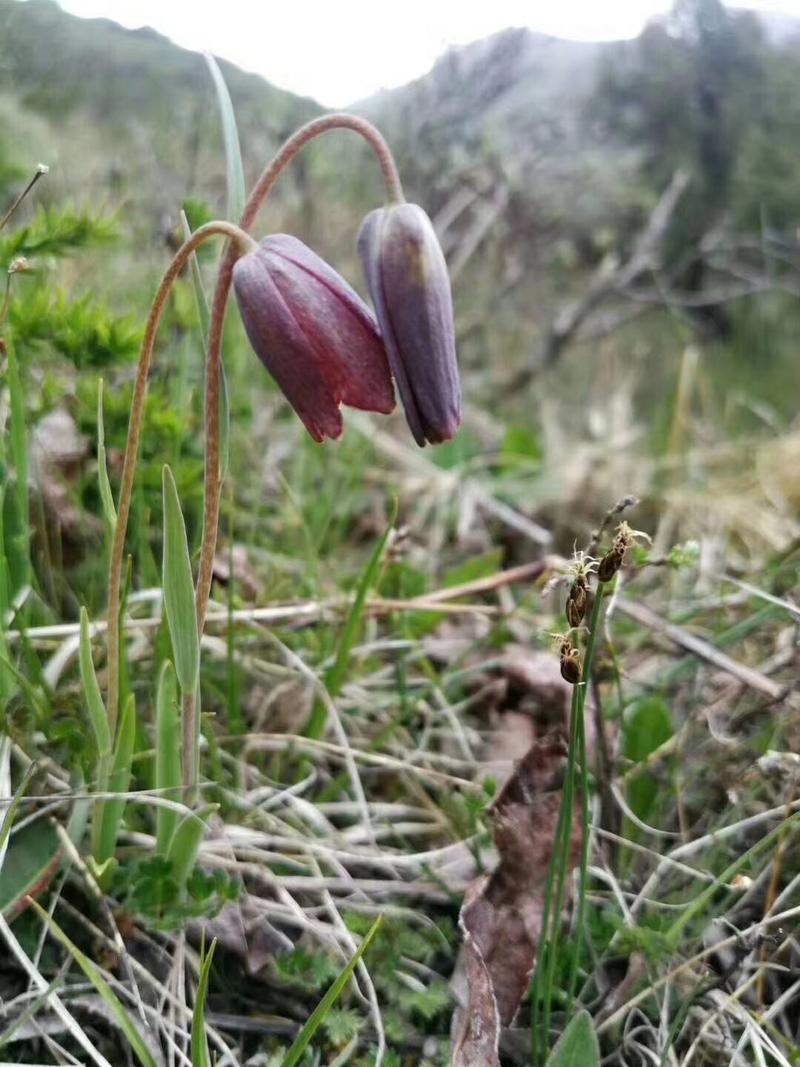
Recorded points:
(576, 604)
(610, 563)
(571, 667)
(570, 662)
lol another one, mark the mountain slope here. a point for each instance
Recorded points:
(126, 113)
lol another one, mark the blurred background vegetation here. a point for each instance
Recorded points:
(542, 162)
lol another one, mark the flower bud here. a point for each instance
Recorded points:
(407, 279)
(313, 333)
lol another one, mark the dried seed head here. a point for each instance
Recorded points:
(576, 603)
(611, 562)
(570, 661)
(571, 666)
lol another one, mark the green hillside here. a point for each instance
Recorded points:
(125, 115)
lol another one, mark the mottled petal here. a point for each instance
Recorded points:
(281, 345)
(407, 278)
(313, 333)
(337, 323)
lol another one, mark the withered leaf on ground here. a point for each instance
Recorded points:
(243, 929)
(501, 918)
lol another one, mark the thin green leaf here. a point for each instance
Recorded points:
(179, 589)
(200, 1056)
(105, 991)
(185, 843)
(201, 300)
(102, 734)
(7, 686)
(204, 315)
(118, 781)
(106, 496)
(646, 725)
(168, 758)
(94, 699)
(230, 134)
(31, 692)
(577, 1046)
(11, 810)
(319, 1013)
(19, 446)
(334, 678)
(5, 595)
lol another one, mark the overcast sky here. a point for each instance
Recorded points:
(339, 51)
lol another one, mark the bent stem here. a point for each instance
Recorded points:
(261, 190)
(240, 242)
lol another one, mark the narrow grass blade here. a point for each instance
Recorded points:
(5, 593)
(235, 208)
(37, 980)
(168, 749)
(19, 452)
(200, 1055)
(317, 1017)
(94, 699)
(204, 315)
(179, 589)
(118, 781)
(7, 686)
(11, 810)
(185, 843)
(201, 300)
(105, 991)
(334, 678)
(577, 1046)
(106, 496)
(102, 736)
(230, 134)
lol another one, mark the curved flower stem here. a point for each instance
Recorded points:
(261, 190)
(240, 243)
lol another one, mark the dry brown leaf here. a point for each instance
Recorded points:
(58, 452)
(243, 929)
(535, 706)
(501, 918)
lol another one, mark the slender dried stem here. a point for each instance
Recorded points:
(261, 190)
(40, 171)
(240, 243)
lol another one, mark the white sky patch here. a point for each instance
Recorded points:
(340, 51)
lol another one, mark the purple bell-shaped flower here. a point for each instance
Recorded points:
(410, 288)
(313, 333)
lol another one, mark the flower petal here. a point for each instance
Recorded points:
(410, 288)
(281, 345)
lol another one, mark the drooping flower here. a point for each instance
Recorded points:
(313, 333)
(410, 288)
